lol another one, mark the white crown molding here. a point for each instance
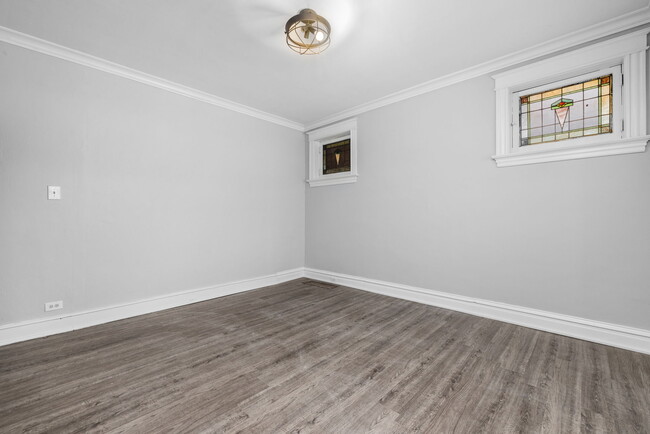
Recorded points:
(615, 335)
(22, 331)
(588, 34)
(607, 28)
(42, 46)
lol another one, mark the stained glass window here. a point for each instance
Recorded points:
(577, 110)
(336, 157)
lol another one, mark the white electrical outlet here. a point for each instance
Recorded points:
(53, 305)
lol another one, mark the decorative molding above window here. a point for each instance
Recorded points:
(589, 102)
(333, 154)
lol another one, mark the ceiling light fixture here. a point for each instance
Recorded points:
(307, 32)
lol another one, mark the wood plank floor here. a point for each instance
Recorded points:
(304, 357)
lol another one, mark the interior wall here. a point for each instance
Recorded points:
(160, 193)
(431, 209)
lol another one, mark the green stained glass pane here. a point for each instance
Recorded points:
(562, 103)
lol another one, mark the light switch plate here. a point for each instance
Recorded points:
(53, 192)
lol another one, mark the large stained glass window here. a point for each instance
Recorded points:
(577, 110)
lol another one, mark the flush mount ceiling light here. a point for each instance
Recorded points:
(307, 32)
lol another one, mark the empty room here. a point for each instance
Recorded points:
(324, 216)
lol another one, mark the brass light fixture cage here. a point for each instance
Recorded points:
(307, 32)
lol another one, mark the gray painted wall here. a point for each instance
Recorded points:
(432, 210)
(161, 193)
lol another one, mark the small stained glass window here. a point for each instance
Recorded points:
(577, 110)
(336, 157)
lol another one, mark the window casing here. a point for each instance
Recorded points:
(622, 58)
(333, 154)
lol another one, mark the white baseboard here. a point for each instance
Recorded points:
(628, 338)
(25, 330)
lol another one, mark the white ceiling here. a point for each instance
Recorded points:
(235, 49)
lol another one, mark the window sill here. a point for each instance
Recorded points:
(533, 156)
(347, 179)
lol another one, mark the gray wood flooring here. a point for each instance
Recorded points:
(304, 357)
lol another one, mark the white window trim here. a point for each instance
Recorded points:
(581, 141)
(330, 134)
(628, 51)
